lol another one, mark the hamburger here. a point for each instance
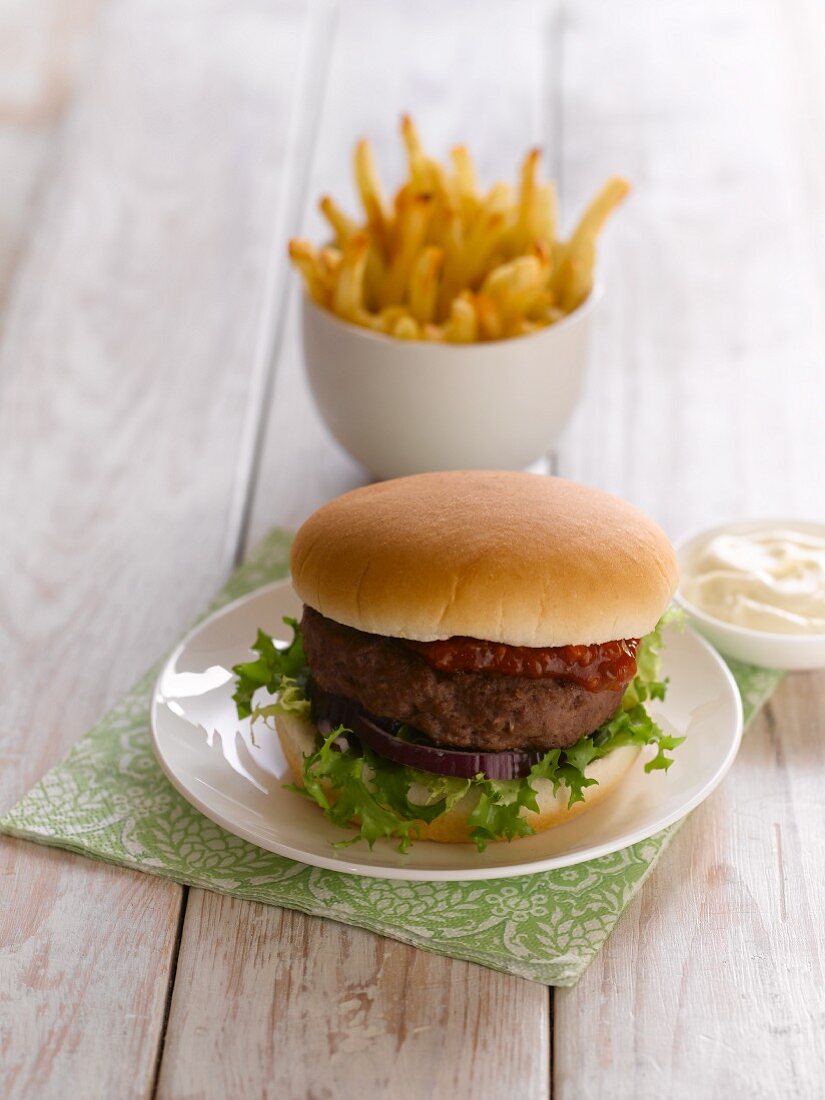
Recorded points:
(474, 655)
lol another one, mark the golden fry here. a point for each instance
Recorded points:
(452, 276)
(370, 190)
(423, 288)
(490, 321)
(544, 309)
(498, 202)
(388, 317)
(573, 279)
(543, 224)
(528, 192)
(374, 275)
(416, 159)
(426, 174)
(348, 294)
(536, 227)
(410, 232)
(464, 174)
(405, 328)
(330, 263)
(515, 286)
(342, 225)
(306, 259)
(480, 246)
(592, 220)
(543, 250)
(462, 325)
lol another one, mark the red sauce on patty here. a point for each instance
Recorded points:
(608, 666)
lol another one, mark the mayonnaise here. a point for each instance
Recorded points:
(771, 580)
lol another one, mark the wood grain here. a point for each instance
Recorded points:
(705, 403)
(342, 1013)
(126, 372)
(44, 50)
(712, 984)
(706, 391)
(85, 952)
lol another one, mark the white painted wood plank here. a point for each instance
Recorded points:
(44, 45)
(269, 1002)
(85, 953)
(280, 1003)
(706, 392)
(705, 402)
(126, 371)
(712, 984)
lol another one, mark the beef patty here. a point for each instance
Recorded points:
(465, 710)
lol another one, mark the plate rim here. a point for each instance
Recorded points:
(504, 871)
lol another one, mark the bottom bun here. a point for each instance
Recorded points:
(297, 736)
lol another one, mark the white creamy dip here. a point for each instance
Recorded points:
(771, 580)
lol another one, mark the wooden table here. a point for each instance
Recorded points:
(154, 421)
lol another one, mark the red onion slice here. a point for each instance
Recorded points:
(330, 711)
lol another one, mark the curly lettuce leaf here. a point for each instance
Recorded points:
(389, 799)
(647, 684)
(279, 670)
(376, 792)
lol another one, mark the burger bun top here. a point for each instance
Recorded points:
(509, 557)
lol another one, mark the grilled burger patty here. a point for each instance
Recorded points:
(466, 710)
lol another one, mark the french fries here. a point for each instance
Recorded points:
(444, 260)
(348, 291)
(462, 325)
(306, 259)
(410, 234)
(369, 187)
(423, 287)
(574, 278)
(341, 224)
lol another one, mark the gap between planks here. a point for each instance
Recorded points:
(552, 126)
(167, 1004)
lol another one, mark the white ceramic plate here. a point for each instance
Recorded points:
(208, 754)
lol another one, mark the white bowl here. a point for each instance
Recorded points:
(406, 407)
(755, 647)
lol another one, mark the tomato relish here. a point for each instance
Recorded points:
(606, 666)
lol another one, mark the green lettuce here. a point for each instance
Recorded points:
(281, 672)
(390, 800)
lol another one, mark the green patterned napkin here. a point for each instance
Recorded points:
(109, 800)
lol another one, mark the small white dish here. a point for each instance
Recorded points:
(407, 406)
(209, 756)
(755, 647)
